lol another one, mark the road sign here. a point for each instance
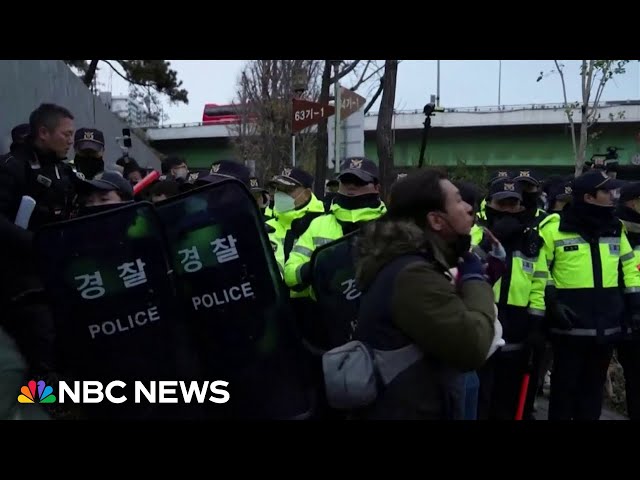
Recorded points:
(306, 113)
(350, 101)
(351, 138)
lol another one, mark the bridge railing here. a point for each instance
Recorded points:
(479, 110)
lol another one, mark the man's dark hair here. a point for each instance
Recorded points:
(417, 194)
(173, 161)
(164, 187)
(47, 115)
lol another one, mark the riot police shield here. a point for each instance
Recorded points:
(235, 302)
(334, 286)
(108, 279)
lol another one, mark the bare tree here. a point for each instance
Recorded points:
(384, 132)
(594, 74)
(265, 91)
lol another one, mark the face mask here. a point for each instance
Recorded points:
(283, 203)
(355, 202)
(181, 173)
(88, 166)
(505, 225)
(530, 200)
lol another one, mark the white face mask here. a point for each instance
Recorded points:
(181, 173)
(283, 202)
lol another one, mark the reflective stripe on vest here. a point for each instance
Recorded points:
(585, 332)
(522, 273)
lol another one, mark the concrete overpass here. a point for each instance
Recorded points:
(516, 135)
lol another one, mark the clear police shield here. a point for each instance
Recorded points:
(337, 295)
(235, 302)
(108, 279)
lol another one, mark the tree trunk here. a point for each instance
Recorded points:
(322, 135)
(384, 138)
(91, 72)
(582, 146)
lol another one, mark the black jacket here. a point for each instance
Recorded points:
(51, 183)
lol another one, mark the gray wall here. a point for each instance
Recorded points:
(25, 84)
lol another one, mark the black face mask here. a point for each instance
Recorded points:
(597, 213)
(368, 200)
(88, 166)
(530, 200)
(505, 225)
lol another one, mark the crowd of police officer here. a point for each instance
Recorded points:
(567, 295)
(571, 284)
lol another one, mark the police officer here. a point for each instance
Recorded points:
(358, 202)
(628, 211)
(178, 171)
(36, 169)
(262, 197)
(531, 190)
(496, 175)
(89, 147)
(223, 169)
(19, 135)
(102, 193)
(558, 190)
(294, 208)
(331, 190)
(519, 295)
(585, 246)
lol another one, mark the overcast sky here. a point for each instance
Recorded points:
(463, 83)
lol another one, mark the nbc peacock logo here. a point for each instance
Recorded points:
(44, 391)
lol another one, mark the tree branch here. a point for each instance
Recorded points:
(361, 80)
(122, 76)
(375, 96)
(600, 89)
(568, 112)
(345, 72)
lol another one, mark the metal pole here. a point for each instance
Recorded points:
(293, 150)
(438, 86)
(499, 79)
(337, 115)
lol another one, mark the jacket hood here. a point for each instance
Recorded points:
(384, 240)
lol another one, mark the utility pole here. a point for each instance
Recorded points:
(499, 80)
(338, 104)
(438, 86)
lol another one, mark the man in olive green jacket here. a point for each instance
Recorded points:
(409, 298)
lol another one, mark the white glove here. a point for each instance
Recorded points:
(497, 341)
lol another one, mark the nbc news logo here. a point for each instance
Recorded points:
(44, 393)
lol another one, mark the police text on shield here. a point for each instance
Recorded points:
(226, 295)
